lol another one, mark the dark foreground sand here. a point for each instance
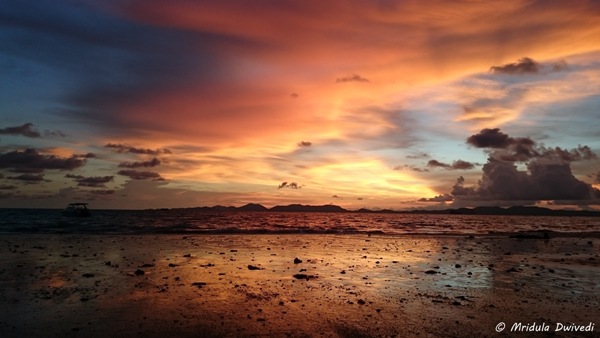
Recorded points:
(244, 285)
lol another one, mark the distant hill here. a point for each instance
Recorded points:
(515, 210)
(308, 208)
(252, 207)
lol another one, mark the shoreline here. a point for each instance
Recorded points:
(347, 285)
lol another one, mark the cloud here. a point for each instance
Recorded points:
(95, 181)
(290, 185)
(523, 66)
(304, 144)
(527, 65)
(121, 148)
(141, 175)
(7, 187)
(29, 178)
(489, 138)
(418, 156)
(144, 164)
(438, 198)
(543, 181)
(23, 130)
(30, 161)
(411, 167)
(522, 149)
(456, 165)
(54, 133)
(548, 174)
(103, 192)
(352, 78)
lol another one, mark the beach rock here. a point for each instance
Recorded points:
(431, 272)
(361, 302)
(88, 275)
(171, 265)
(458, 266)
(199, 284)
(147, 265)
(139, 272)
(304, 276)
(252, 267)
(297, 260)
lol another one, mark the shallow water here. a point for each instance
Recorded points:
(193, 221)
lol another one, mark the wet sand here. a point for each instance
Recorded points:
(253, 285)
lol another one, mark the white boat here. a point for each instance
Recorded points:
(77, 210)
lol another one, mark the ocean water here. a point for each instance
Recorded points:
(189, 221)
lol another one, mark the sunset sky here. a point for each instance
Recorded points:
(377, 104)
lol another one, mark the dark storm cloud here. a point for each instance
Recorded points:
(542, 181)
(456, 165)
(438, 198)
(31, 161)
(23, 130)
(28, 178)
(121, 148)
(94, 181)
(290, 185)
(7, 187)
(352, 78)
(144, 164)
(523, 149)
(141, 175)
(580, 153)
(304, 144)
(597, 177)
(527, 65)
(548, 175)
(490, 138)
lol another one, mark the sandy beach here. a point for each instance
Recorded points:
(296, 285)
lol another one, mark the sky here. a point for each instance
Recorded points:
(363, 104)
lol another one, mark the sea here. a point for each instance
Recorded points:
(190, 221)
